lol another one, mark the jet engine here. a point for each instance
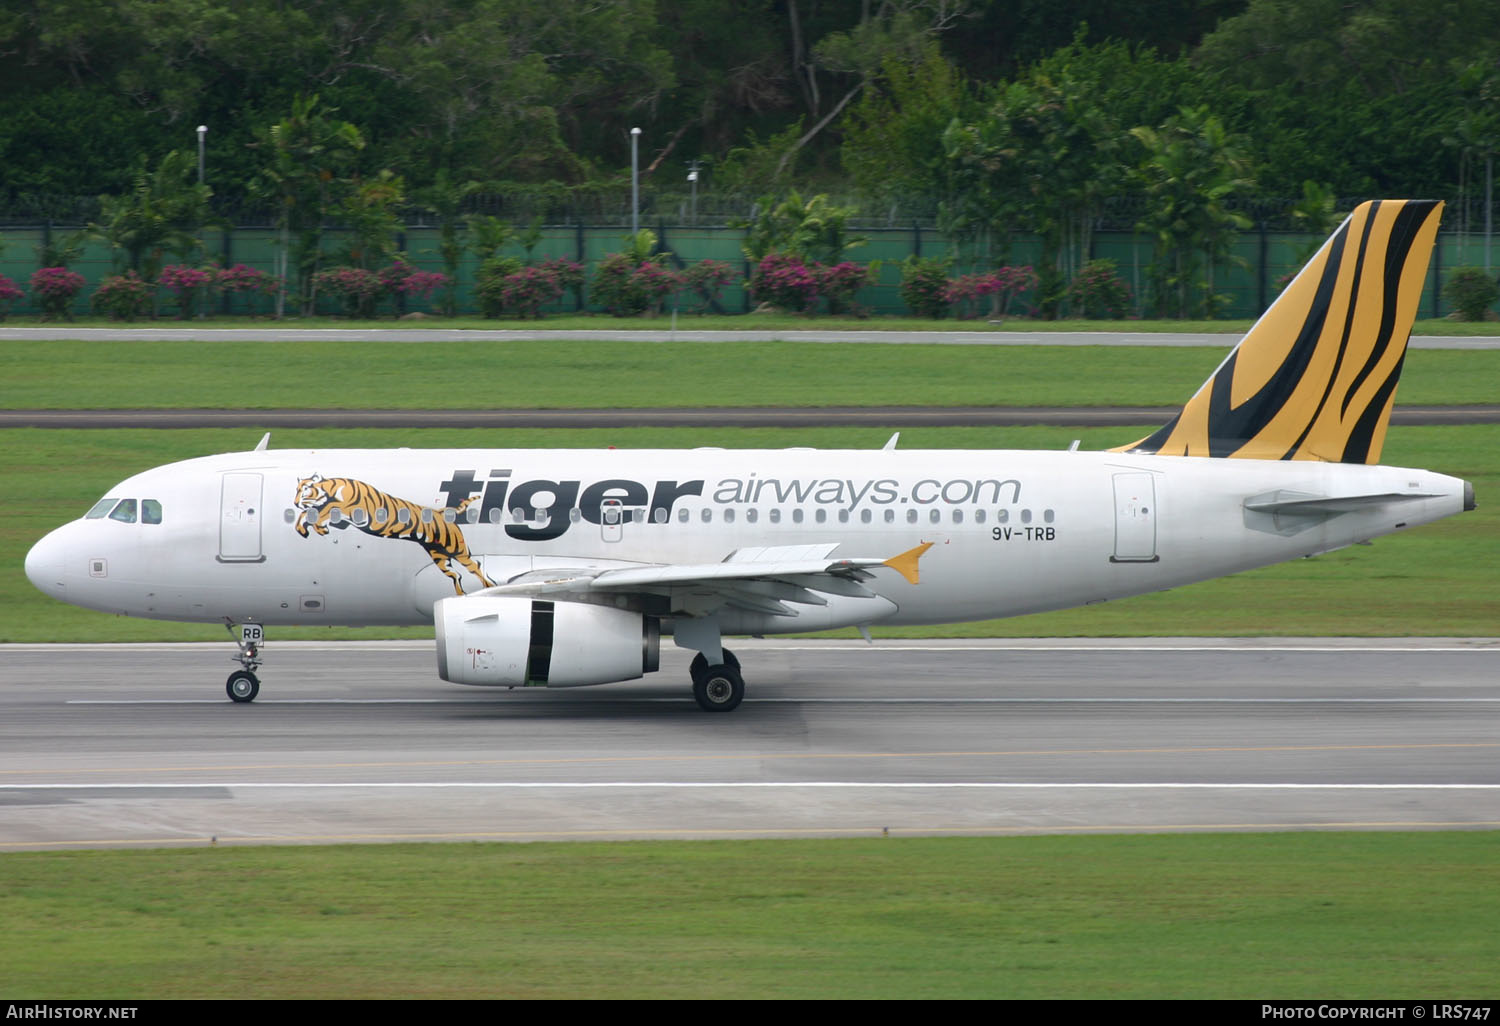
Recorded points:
(502, 641)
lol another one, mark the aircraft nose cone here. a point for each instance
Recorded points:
(44, 566)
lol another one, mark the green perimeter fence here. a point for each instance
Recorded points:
(1250, 279)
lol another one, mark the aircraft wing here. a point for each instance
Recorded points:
(763, 579)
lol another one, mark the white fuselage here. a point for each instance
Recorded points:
(1012, 531)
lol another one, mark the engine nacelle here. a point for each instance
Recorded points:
(509, 642)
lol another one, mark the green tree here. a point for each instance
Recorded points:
(1189, 168)
(161, 213)
(813, 229)
(891, 144)
(1049, 151)
(369, 209)
(445, 198)
(308, 164)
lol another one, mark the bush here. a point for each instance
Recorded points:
(188, 286)
(357, 289)
(706, 279)
(55, 289)
(1472, 291)
(423, 284)
(1099, 291)
(124, 297)
(627, 287)
(924, 286)
(784, 282)
(248, 282)
(524, 292)
(507, 288)
(489, 284)
(8, 295)
(1000, 287)
(401, 279)
(839, 283)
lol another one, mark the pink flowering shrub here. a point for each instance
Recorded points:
(188, 286)
(356, 288)
(524, 292)
(706, 279)
(1099, 292)
(627, 287)
(55, 289)
(8, 295)
(785, 282)
(507, 288)
(124, 297)
(424, 283)
(924, 286)
(249, 282)
(569, 275)
(839, 283)
(402, 279)
(1000, 287)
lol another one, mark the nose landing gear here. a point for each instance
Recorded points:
(243, 685)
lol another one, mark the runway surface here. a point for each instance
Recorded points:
(136, 745)
(633, 333)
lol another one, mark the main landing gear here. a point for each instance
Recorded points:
(718, 688)
(243, 685)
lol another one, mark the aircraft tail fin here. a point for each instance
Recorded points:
(1315, 377)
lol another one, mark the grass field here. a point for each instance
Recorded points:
(752, 322)
(1438, 580)
(561, 374)
(1285, 916)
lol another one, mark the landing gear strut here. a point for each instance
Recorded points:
(717, 688)
(243, 685)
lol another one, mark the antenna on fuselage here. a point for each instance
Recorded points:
(892, 443)
(265, 441)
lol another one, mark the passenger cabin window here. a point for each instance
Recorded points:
(101, 509)
(124, 512)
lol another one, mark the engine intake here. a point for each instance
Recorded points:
(511, 642)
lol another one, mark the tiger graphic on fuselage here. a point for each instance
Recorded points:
(319, 497)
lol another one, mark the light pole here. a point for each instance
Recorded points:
(635, 183)
(202, 132)
(693, 181)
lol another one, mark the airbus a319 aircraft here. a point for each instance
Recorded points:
(564, 567)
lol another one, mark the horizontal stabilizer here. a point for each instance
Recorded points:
(1296, 504)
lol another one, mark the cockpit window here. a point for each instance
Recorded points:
(124, 512)
(102, 507)
(150, 511)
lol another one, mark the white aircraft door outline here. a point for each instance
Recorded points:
(239, 518)
(1135, 519)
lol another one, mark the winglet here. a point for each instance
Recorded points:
(906, 563)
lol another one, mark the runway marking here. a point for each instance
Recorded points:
(793, 700)
(741, 757)
(689, 785)
(862, 830)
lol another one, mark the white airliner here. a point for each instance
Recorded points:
(565, 567)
